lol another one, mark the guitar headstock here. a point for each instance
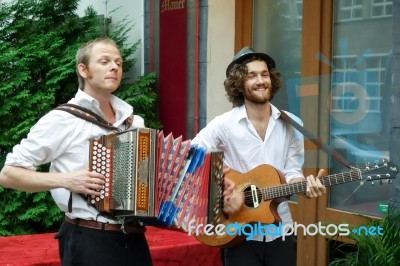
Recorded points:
(380, 172)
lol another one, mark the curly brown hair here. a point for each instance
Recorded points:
(234, 83)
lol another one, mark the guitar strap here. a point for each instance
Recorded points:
(90, 116)
(326, 148)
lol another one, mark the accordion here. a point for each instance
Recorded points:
(157, 179)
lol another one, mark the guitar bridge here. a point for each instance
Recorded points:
(254, 195)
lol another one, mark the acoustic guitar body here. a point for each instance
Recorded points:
(255, 208)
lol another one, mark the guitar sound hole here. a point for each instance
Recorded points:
(252, 200)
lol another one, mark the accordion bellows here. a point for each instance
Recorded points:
(157, 179)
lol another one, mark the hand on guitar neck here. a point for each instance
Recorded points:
(314, 185)
(234, 199)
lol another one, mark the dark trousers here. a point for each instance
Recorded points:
(276, 253)
(85, 246)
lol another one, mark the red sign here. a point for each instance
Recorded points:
(172, 71)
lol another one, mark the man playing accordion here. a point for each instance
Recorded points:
(86, 237)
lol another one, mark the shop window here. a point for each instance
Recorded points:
(360, 83)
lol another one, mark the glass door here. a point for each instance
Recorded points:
(359, 99)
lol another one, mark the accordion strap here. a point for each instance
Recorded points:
(326, 148)
(86, 114)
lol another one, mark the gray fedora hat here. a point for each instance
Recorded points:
(247, 52)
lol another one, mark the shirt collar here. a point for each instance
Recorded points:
(122, 109)
(275, 113)
(242, 114)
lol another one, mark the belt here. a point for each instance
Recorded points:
(129, 228)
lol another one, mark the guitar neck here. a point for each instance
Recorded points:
(301, 187)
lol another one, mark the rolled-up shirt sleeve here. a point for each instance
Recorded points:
(47, 139)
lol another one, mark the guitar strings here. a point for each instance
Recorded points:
(282, 190)
(299, 187)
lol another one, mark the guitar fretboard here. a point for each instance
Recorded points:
(301, 187)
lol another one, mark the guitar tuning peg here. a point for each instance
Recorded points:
(372, 183)
(381, 182)
(390, 181)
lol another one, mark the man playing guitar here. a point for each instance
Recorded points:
(251, 134)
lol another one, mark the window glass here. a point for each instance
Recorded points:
(359, 90)
(350, 10)
(359, 84)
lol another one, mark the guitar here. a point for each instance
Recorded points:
(264, 187)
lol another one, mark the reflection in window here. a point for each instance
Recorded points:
(372, 80)
(299, 13)
(350, 9)
(291, 12)
(381, 8)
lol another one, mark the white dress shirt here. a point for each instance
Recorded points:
(283, 147)
(63, 139)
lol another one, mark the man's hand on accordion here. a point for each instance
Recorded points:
(233, 199)
(85, 182)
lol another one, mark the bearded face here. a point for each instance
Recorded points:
(257, 86)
